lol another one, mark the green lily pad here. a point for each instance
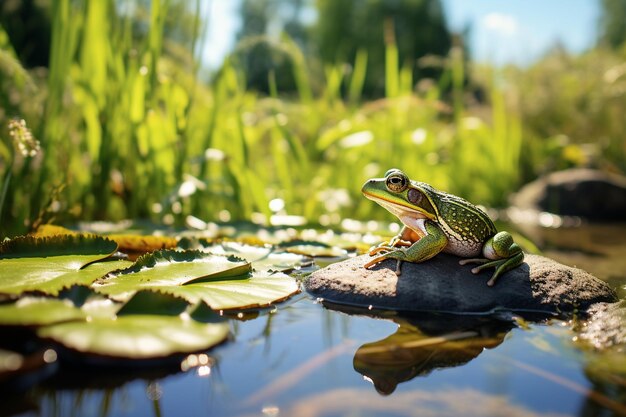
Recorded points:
(169, 268)
(136, 336)
(222, 282)
(48, 265)
(39, 311)
(260, 290)
(149, 302)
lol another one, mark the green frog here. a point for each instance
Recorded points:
(435, 221)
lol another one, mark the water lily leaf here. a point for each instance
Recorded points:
(39, 311)
(50, 264)
(127, 242)
(263, 258)
(168, 268)
(136, 336)
(149, 302)
(260, 290)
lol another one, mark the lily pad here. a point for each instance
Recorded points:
(263, 258)
(260, 290)
(168, 268)
(149, 302)
(127, 242)
(39, 311)
(136, 336)
(48, 265)
(222, 282)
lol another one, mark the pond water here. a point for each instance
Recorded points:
(309, 359)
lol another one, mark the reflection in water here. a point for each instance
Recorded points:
(442, 403)
(423, 344)
(606, 371)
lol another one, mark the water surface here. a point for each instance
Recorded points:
(308, 359)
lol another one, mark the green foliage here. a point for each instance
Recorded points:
(571, 110)
(411, 29)
(612, 28)
(27, 22)
(125, 124)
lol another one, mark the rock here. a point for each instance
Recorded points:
(441, 284)
(594, 195)
(606, 327)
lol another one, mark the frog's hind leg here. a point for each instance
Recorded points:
(501, 266)
(500, 253)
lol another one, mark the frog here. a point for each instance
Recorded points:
(434, 221)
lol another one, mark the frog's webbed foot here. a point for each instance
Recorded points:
(399, 255)
(500, 253)
(395, 242)
(384, 247)
(501, 265)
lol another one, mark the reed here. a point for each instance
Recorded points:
(132, 132)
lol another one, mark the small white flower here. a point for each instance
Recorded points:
(23, 139)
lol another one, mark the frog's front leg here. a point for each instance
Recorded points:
(500, 252)
(425, 248)
(401, 239)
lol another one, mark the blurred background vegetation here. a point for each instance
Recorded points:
(132, 125)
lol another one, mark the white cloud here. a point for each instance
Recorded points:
(502, 23)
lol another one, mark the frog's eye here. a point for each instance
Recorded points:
(397, 182)
(393, 171)
(414, 196)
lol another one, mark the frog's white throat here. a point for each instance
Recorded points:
(412, 219)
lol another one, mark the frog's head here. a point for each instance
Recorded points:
(401, 196)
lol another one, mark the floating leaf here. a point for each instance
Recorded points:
(47, 230)
(263, 258)
(261, 290)
(136, 336)
(222, 282)
(168, 268)
(49, 265)
(149, 302)
(39, 311)
(142, 243)
(126, 242)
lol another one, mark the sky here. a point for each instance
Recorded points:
(502, 31)
(520, 31)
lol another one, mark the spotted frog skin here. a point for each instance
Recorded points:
(435, 221)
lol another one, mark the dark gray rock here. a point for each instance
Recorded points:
(441, 284)
(594, 195)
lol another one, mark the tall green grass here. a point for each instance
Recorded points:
(129, 129)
